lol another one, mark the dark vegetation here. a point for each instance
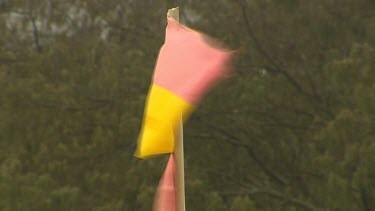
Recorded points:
(292, 129)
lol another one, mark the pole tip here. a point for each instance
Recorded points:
(174, 13)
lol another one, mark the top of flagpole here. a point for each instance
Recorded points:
(174, 13)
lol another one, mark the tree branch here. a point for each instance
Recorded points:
(237, 142)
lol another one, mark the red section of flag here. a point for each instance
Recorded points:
(167, 191)
(188, 63)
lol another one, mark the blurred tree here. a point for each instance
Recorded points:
(292, 129)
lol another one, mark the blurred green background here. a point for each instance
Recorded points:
(292, 129)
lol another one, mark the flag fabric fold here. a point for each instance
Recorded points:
(165, 199)
(187, 66)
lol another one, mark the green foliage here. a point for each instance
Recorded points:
(215, 202)
(242, 204)
(292, 128)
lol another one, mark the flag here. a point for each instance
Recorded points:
(187, 66)
(167, 191)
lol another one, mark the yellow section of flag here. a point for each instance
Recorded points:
(163, 115)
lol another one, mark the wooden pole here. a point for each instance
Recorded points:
(179, 145)
(180, 171)
(174, 13)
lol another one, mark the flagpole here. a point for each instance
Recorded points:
(179, 145)
(180, 171)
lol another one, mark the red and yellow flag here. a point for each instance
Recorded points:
(186, 68)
